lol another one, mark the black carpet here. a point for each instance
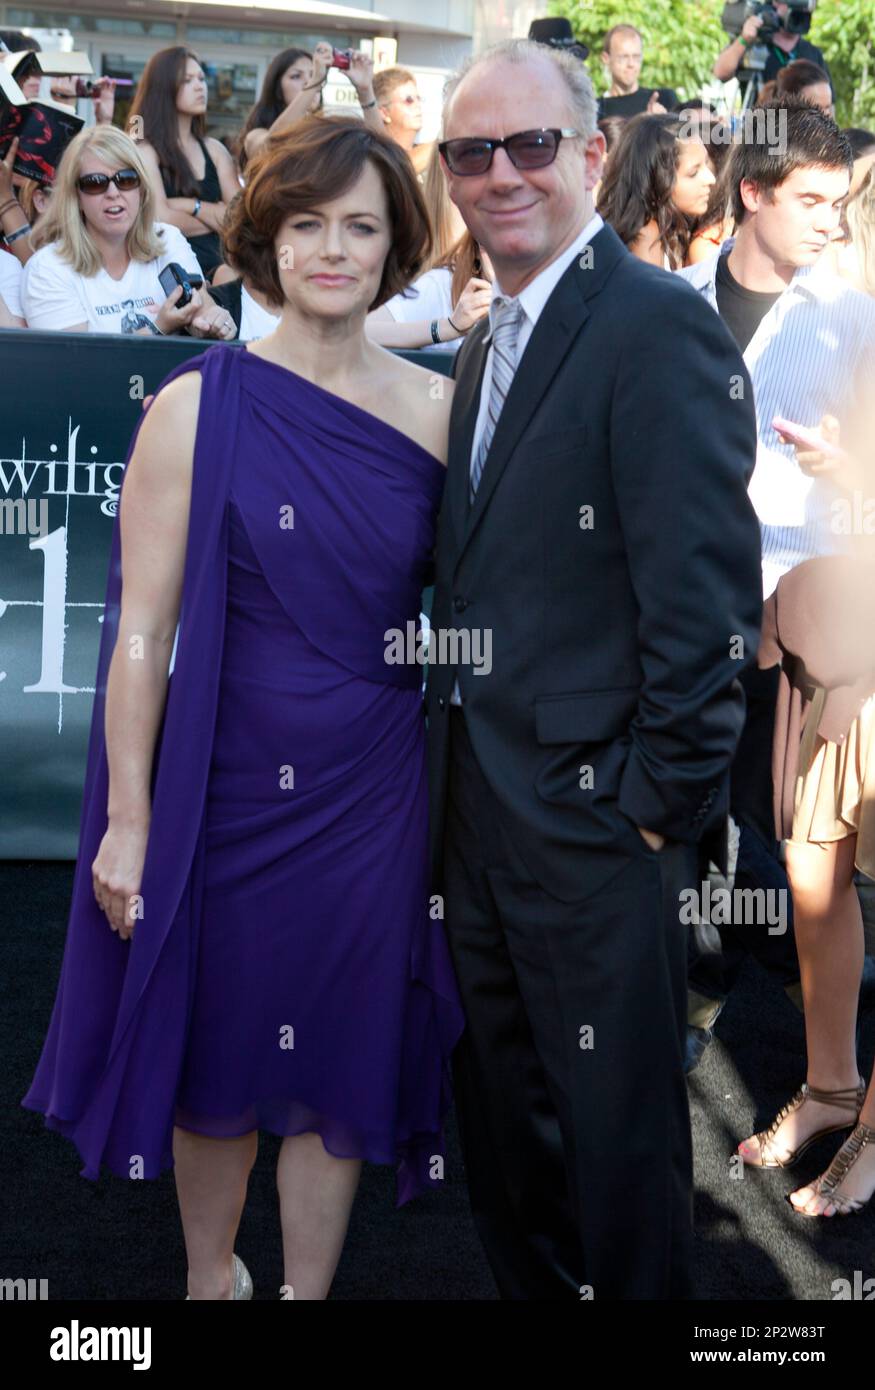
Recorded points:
(122, 1240)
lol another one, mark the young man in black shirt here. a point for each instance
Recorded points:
(741, 309)
(623, 55)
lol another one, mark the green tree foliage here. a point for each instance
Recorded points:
(845, 32)
(681, 37)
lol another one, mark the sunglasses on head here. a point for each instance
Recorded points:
(528, 149)
(125, 181)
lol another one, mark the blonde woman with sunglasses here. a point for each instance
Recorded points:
(100, 252)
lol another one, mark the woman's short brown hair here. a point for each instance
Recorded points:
(314, 163)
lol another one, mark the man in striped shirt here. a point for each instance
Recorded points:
(808, 338)
(808, 341)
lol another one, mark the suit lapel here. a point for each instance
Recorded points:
(463, 418)
(562, 318)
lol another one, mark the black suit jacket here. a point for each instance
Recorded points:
(618, 633)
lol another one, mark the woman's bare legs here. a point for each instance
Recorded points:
(211, 1180)
(316, 1193)
(829, 939)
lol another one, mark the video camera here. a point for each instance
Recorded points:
(797, 21)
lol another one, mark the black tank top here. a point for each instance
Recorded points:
(207, 248)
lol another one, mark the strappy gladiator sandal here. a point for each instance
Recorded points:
(827, 1184)
(770, 1157)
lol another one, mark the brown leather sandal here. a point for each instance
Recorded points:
(769, 1157)
(827, 1184)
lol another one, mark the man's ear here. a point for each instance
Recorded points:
(751, 194)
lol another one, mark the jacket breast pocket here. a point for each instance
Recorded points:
(585, 716)
(555, 442)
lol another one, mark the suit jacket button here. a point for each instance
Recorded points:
(441, 702)
(460, 603)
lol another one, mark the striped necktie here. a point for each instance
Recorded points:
(504, 349)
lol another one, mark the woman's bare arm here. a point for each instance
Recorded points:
(169, 209)
(391, 333)
(155, 506)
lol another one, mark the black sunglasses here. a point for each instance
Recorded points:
(528, 149)
(125, 181)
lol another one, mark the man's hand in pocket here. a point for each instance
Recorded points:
(650, 838)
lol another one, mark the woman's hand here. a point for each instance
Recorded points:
(171, 319)
(361, 74)
(103, 96)
(472, 304)
(322, 56)
(7, 188)
(213, 322)
(117, 873)
(843, 470)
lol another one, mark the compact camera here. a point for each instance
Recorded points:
(173, 275)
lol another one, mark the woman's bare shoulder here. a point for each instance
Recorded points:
(218, 150)
(421, 398)
(168, 431)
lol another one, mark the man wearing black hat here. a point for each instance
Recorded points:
(557, 33)
(623, 55)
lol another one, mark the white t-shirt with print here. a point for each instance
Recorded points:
(55, 296)
(10, 283)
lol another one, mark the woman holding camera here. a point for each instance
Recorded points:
(292, 89)
(193, 176)
(101, 253)
(252, 943)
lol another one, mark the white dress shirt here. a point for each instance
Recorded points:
(533, 300)
(812, 354)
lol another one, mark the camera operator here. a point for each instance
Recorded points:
(783, 48)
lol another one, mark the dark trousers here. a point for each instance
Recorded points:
(576, 1143)
(713, 972)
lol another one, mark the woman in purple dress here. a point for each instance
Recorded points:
(252, 944)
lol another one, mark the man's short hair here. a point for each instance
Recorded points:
(387, 82)
(810, 139)
(573, 72)
(621, 29)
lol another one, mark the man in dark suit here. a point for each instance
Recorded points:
(596, 531)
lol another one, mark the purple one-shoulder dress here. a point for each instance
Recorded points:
(290, 972)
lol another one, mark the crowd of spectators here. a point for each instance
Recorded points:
(88, 252)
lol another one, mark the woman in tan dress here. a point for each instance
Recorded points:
(821, 621)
